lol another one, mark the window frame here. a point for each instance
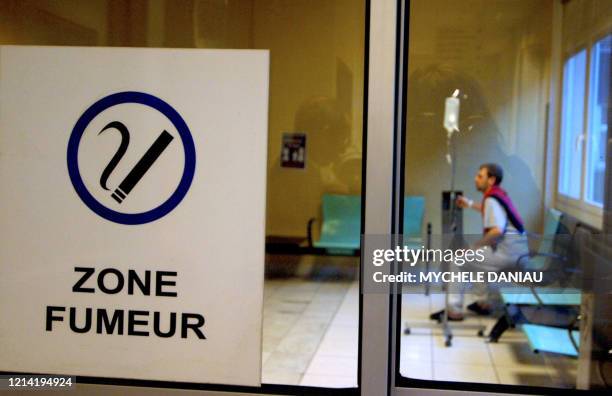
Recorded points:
(585, 211)
(569, 57)
(589, 114)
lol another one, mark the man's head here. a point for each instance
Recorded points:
(488, 175)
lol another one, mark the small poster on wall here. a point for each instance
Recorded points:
(293, 151)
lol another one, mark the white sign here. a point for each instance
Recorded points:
(132, 191)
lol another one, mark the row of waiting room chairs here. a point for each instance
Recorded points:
(341, 234)
(562, 304)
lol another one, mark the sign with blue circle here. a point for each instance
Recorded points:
(139, 169)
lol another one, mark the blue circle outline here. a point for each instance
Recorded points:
(188, 146)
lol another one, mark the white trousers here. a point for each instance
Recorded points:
(503, 258)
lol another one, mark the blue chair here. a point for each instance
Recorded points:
(539, 260)
(542, 337)
(414, 213)
(552, 339)
(341, 225)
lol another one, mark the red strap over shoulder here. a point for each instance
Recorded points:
(500, 195)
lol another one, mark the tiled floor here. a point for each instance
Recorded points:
(310, 333)
(470, 358)
(310, 337)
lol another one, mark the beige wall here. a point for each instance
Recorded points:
(316, 87)
(316, 81)
(47, 23)
(497, 53)
(584, 19)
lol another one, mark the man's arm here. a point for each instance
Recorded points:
(464, 202)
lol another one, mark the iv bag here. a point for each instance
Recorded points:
(451, 114)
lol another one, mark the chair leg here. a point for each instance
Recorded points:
(502, 324)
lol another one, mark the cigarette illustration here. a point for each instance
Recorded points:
(142, 166)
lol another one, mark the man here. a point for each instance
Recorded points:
(503, 239)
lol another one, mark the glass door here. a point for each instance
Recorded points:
(503, 95)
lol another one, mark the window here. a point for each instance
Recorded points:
(598, 121)
(583, 131)
(572, 122)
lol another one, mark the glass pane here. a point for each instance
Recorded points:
(599, 95)
(311, 303)
(476, 176)
(572, 125)
(311, 294)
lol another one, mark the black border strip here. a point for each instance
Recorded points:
(364, 156)
(400, 163)
(397, 171)
(485, 387)
(264, 389)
